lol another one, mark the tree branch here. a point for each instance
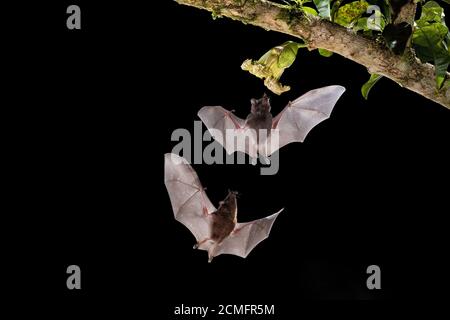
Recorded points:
(407, 13)
(406, 70)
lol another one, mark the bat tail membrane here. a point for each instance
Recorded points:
(207, 245)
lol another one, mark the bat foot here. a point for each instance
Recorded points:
(195, 246)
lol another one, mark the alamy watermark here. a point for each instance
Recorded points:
(259, 145)
(73, 21)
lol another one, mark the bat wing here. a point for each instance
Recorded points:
(303, 114)
(228, 130)
(246, 236)
(190, 203)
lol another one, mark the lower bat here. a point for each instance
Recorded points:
(261, 133)
(216, 230)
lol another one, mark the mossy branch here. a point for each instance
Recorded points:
(406, 70)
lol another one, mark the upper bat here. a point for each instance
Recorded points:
(260, 132)
(216, 230)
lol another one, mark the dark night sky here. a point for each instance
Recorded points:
(368, 186)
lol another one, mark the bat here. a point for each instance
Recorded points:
(261, 133)
(216, 230)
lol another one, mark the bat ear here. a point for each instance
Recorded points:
(253, 101)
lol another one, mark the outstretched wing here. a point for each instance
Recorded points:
(228, 130)
(246, 236)
(300, 116)
(190, 203)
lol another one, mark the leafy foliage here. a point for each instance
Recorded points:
(348, 14)
(431, 39)
(365, 89)
(429, 36)
(323, 7)
(310, 11)
(325, 53)
(299, 4)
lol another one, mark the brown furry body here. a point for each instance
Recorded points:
(224, 219)
(260, 117)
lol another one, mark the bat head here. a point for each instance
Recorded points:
(230, 198)
(260, 107)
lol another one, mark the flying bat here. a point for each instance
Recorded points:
(261, 133)
(216, 230)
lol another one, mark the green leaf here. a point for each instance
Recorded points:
(386, 9)
(365, 89)
(361, 24)
(310, 11)
(334, 8)
(430, 35)
(301, 2)
(376, 21)
(431, 12)
(325, 52)
(348, 14)
(441, 64)
(323, 7)
(431, 39)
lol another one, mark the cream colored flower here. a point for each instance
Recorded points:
(272, 65)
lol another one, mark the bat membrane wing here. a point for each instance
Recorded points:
(190, 203)
(303, 114)
(228, 130)
(246, 236)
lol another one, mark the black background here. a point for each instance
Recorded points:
(93, 114)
